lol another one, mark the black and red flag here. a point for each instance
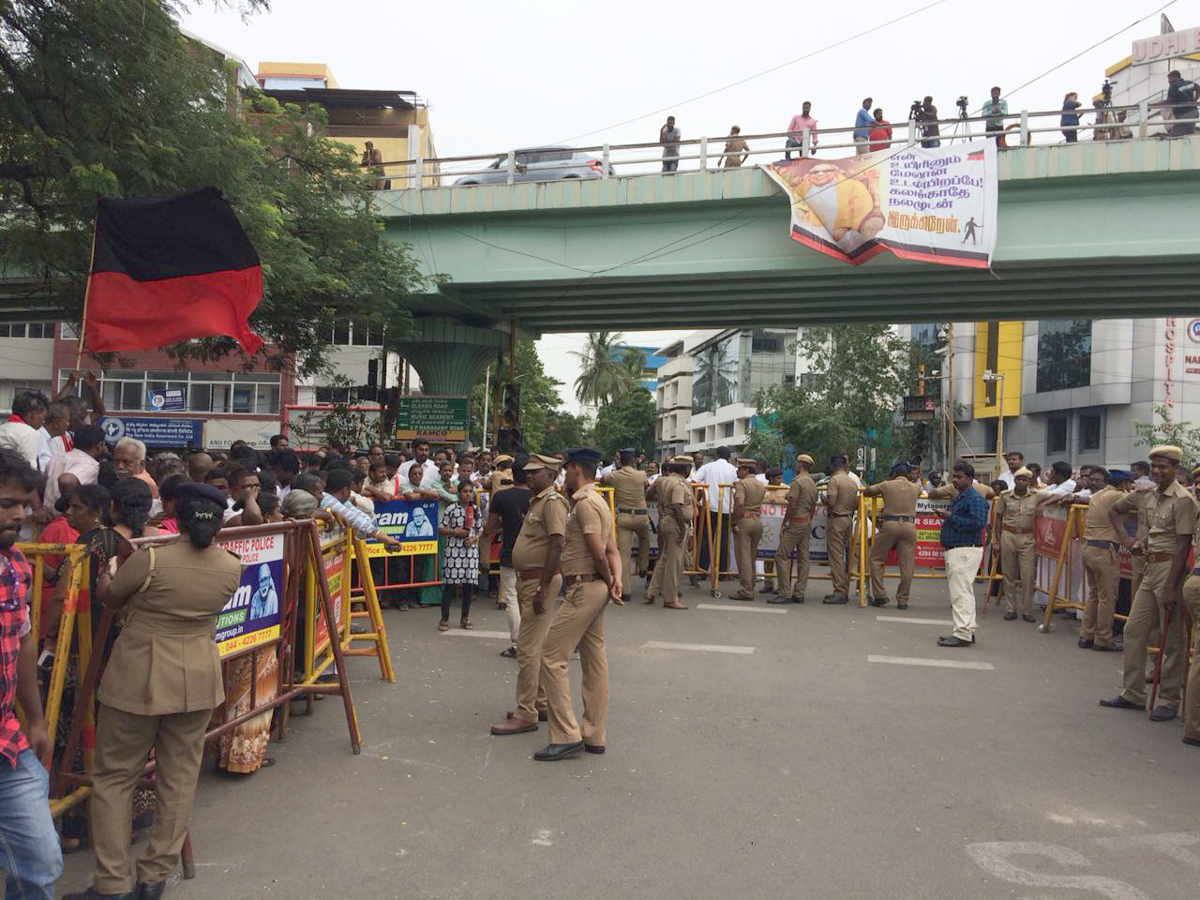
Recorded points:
(165, 270)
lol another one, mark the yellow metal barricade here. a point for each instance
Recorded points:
(336, 556)
(364, 605)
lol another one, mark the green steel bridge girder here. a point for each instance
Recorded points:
(1097, 229)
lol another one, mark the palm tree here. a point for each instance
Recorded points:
(606, 372)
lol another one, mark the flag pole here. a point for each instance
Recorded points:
(87, 287)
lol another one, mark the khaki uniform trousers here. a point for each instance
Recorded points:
(902, 536)
(1104, 576)
(627, 527)
(796, 537)
(669, 568)
(745, 545)
(578, 622)
(1018, 560)
(1191, 703)
(531, 693)
(837, 537)
(123, 744)
(1143, 629)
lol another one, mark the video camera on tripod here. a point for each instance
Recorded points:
(962, 104)
(1106, 90)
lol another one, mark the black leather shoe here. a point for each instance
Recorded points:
(551, 752)
(1010, 617)
(1162, 714)
(1192, 742)
(799, 599)
(1119, 702)
(149, 891)
(1028, 619)
(627, 598)
(1086, 643)
(778, 600)
(93, 894)
(953, 640)
(836, 601)
(1108, 648)
(879, 601)
(593, 748)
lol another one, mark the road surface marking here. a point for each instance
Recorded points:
(996, 858)
(730, 608)
(543, 838)
(905, 620)
(934, 663)
(462, 632)
(703, 648)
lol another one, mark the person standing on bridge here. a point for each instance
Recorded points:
(670, 136)
(1181, 97)
(881, 133)
(995, 110)
(797, 531)
(863, 123)
(796, 128)
(736, 149)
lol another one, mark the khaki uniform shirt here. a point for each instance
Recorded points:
(1018, 512)
(589, 515)
(802, 495)
(546, 516)
(629, 487)
(1167, 513)
(899, 496)
(165, 660)
(500, 480)
(674, 491)
(1096, 526)
(749, 493)
(841, 494)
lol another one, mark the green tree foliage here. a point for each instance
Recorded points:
(1167, 431)
(626, 421)
(858, 375)
(106, 98)
(564, 429)
(608, 370)
(539, 398)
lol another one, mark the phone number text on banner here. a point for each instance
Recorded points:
(252, 617)
(414, 523)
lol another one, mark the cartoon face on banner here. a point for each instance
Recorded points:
(412, 522)
(253, 615)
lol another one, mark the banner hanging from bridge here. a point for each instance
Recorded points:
(933, 204)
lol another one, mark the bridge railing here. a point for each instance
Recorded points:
(1021, 129)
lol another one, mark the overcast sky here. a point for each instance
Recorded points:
(501, 75)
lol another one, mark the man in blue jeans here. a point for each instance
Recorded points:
(29, 852)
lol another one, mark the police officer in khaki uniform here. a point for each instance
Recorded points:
(633, 518)
(1191, 600)
(591, 569)
(899, 530)
(748, 493)
(674, 519)
(501, 477)
(158, 692)
(841, 499)
(1100, 543)
(1170, 511)
(797, 531)
(1015, 512)
(535, 558)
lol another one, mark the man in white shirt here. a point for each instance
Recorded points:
(19, 433)
(82, 461)
(1060, 484)
(714, 474)
(58, 417)
(420, 458)
(1015, 460)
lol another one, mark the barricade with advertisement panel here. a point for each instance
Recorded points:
(414, 523)
(258, 623)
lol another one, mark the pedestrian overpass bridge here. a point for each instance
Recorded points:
(1091, 229)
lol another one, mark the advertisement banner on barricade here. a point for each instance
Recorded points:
(334, 561)
(412, 522)
(929, 552)
(1049, 529)
(253, 615)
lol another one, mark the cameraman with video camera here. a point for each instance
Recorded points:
(925, 111)
(1181, 97)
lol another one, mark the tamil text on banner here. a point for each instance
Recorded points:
(934, 204)
(414, 523)
(252, 617)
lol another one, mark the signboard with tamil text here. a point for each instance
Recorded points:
(166, 400)
(153, 431)
(433, 418)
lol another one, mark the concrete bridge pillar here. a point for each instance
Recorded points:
(449, 355)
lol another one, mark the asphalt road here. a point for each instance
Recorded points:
(795, 766)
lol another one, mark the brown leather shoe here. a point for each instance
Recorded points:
(543, 715)
(513, 725)
(675, 605)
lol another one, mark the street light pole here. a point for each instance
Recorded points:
(997, 378)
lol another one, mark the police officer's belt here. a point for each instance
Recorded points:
(899, 518)
(633, 512)
(834, 515)
(1160, 556)
(569, 580)
(800, 519)
(529, 574)
(1011, 530)
(750, 515)
(1106, 545)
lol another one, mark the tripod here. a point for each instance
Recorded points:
(962, 128)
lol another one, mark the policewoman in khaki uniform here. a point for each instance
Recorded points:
(1191, 601)
(158, 692)
(797, 532)
(748, 495)
(1015, 512)
(633, 518)
(1170, 511)
(841, 499)
(535, 559)
(501, 477)
(675, 515)
(899, 530)
(1100, 543)
(591, 569)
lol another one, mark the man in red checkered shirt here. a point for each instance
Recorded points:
(29, 850)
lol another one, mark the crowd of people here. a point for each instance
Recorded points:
(872, 132)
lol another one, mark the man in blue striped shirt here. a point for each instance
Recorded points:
(335, 499)
(962, 541)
